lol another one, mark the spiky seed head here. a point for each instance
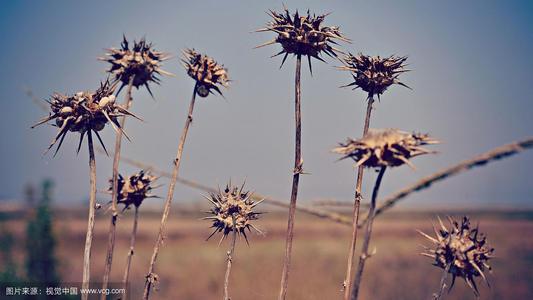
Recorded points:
(374, 74)
(134, 189)
(140, 63)
(461, 249)
(84, 112)
(233, 210)
(205, 71)
(385, 148)
(303, 35)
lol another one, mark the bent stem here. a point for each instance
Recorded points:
(90, 223)
(114, 215)
(356, 207)
(133, 236)
(442, 286)
(230, 260)
(368, 232)
(295, 181)
(151, 277)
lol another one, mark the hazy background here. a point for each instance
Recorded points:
(471, 81)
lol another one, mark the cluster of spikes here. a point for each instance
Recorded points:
(374, 74)
(205, 71)
(141, 64)
(462, 250)
(303, 35)
(134, 189)
(85, 112)
(233, 210)
(385, 148)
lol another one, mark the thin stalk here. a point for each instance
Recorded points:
(133, 236)
(356, 207)
(368, 233)
(114, 195)
(90, 222)
(150, 277)
(230, 260)
(295, 180)
(442, 285)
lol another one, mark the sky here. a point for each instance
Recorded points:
(471, 88)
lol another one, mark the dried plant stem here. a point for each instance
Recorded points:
(442, 285)
(133, 236)
(295, 181)
(114, 215)
(150, 277)
(90, 222)
(321, 213)
(368, 233)
(465, 165)
(230, 260)
(356, 207)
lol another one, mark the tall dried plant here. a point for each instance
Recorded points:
(373, 75)
(86, 113)
(300, 36)
(232, 212)
(380, 149)
(461, 251)
(208, 75)
(132, 191)
(135, 67)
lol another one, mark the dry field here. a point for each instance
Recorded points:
(191, 268)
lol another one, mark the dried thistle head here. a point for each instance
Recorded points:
(84, 112)
(141, 64)
(303, 35)
(134, 189)
(461, 249)
(205, 71)
(233, 210)
(385, 148)
(374, 74)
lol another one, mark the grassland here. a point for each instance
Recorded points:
(191, 268)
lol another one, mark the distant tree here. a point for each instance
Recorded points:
(9, 272)
(40, 241)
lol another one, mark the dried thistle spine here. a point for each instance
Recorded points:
(461, 251)
(205, 71)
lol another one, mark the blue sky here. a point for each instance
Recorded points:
(471, 81)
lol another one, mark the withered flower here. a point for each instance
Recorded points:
(385, 148)
(233, 210)
(462, 250)
(205, 71)
(303, 35)
(374, 74)
(141, 64)
(84, 112)
(134, 189)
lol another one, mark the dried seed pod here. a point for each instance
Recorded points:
(385, 147)
(374, 74)
(205, 71)
(134, 189)
(233, 210)
(303, 35)
(461, 249)
(141, 63)
(83, 112)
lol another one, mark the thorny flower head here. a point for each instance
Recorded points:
(233, 210)
(134, 189)
(141, 64)
(374, 74)
(302, 35)
(385, 148)
(205, 71)
(461, 249)
(84, 112)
